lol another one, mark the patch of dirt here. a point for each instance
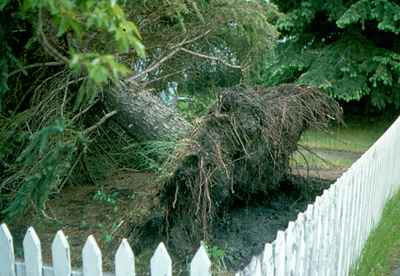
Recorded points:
(330, 154)
(83, 210)
(328, 174)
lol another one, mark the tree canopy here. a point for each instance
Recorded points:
(348, 48)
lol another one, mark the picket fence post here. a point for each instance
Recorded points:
(160, 263)
(7, 259)
(32, 253)
(91, 258)
(61, 255)
(201, 264)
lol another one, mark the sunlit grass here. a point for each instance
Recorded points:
(382, 250)
(357, 135)
(317, 161)
(339, 146)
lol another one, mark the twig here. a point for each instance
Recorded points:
(154, 65)
(211, 58)
(64, 100)
(45, 43)
(175, 49)
(84, 111)
(99, 123)
(42, 64)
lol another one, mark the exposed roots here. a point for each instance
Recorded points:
(240, 149)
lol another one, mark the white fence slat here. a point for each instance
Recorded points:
(160, 263)
(301, 251)
(7, 259)
(201, 264)
(316, 252)
(61, 255)
(267, 263)
(253, 269)
(124, 260)
(280, 254)
(32, 253)
(291, 250)
(91, 258)
(309, 238)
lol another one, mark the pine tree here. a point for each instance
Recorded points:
(350, 49)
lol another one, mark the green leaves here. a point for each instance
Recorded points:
(347, 48)
(103, 18)
(385, 12)
(3, 4)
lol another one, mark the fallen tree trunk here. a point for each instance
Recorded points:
(143, 116)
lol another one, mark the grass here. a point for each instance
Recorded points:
(357, 135)
(382, 251)
(339, 146)
(317, 160)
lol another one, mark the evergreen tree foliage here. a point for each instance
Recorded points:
(348, 48)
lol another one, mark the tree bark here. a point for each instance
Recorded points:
(144, 116)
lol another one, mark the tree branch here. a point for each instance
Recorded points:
(42, 64)
(211, 58)
(45, 43)
(175, 49)
(99, 123)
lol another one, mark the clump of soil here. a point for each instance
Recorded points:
(239, 150)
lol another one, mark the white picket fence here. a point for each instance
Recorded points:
(327, 239)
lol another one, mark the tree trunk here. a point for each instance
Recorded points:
(144, 116)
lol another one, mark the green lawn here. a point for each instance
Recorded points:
(382, 251)
(357, 135)
(339, 146)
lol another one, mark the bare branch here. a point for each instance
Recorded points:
(153, 66)
(84, 111)
(45, 43)
(175, 49)
(211, 58)
(99, 123)
(42, 64)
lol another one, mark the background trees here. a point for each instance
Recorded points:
(348, 48)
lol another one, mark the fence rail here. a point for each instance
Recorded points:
(326, 239)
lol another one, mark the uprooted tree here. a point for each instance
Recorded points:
(61, 66)
(240, 149)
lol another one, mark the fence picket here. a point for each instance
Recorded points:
(301, 251)
(267, 264)
(7, 259)
(201, 264)
(91, 258)
(280, 254)
(32, 253)
(309, 238)
(61, 255)
(291, 250)
(160, 263)
(124, 260)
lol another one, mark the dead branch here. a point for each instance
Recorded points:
(211, 58)
(99, 123)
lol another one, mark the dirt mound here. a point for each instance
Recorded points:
(240, 149)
